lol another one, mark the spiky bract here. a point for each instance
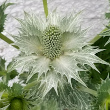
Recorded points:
(56, 48)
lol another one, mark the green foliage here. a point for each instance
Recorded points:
(15, 98)
(11, 97)
(102, 43)
(4, 74)
(107, 15)
(3, 86)
(105, 55)
(103, 99)
(3, 15)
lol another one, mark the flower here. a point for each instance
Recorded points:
(56, 48)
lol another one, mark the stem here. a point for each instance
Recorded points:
(106, 106)
(107, 102)
(85, 89)
(45, 7)
(97, 37)
(7, 40)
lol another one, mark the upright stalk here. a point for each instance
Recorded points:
(106, 106)
(45, 7)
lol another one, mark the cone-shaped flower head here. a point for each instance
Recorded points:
(56, 48)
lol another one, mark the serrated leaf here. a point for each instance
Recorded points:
(6, 76)
(2, 64)
(103, 98)
(105, 55)
(3, 15)
(17, 88)
(3, 86)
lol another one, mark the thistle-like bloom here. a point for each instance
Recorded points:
(56, 48)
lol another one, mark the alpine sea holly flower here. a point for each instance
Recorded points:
(56, 48)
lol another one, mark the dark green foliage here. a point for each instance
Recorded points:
(3, 15)
(17, 89)
(103, 98)
(2, 65)
(105, 55)
(3, 86)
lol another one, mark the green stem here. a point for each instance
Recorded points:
(106, 106)
(90, 91)
(45, 7)
(97, 37)
(7, 40)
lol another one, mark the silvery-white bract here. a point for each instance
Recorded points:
(54, 48)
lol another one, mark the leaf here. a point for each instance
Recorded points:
(3, 15)
(1, 93)
(103, 98)
(105, 55)
(4, 108)
(107, 15)
(6, 76)
(17, 88)
(3, 86)
(2, 64)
